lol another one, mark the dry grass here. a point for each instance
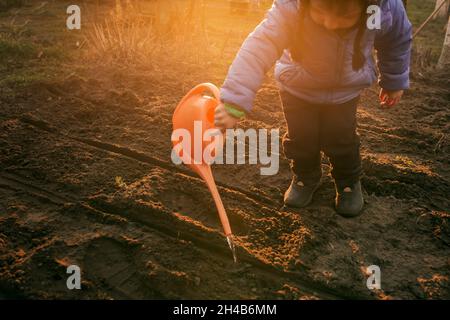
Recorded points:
(150, 32)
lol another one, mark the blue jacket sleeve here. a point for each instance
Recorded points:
(393, 45)
(258, 54)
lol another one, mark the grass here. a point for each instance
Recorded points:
(13, 49)
(32, 45)
(16, 47)
(8, 4)
(428, 43)
(23, 78)
(159, 33)
(149, 32)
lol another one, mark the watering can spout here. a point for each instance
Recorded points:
(232, 247)
(195, 113)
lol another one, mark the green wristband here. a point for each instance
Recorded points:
(234, 111)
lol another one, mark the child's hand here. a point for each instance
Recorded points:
(223, 119)
(389, 98)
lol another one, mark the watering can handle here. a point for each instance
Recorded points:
(200, 88)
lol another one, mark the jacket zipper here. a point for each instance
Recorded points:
(338, 70)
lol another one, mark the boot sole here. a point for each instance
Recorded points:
(350, 215)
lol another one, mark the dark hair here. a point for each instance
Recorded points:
(358, 56)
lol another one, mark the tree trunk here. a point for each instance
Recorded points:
(444, 59)
(443, 11)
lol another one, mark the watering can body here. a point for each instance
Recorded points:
(195, 113)
(194, 109)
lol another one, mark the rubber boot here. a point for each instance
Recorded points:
(298, 194)
(349, 200)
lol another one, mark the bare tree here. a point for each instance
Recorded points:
(444, 59)
(443, 11)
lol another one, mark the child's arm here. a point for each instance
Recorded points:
(258, 54)
(393, 47)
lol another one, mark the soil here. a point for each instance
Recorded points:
(86, 179)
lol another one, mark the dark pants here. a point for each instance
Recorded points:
(316, 127)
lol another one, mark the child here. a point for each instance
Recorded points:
(323, 56)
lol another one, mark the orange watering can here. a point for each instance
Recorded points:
(195, 115)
